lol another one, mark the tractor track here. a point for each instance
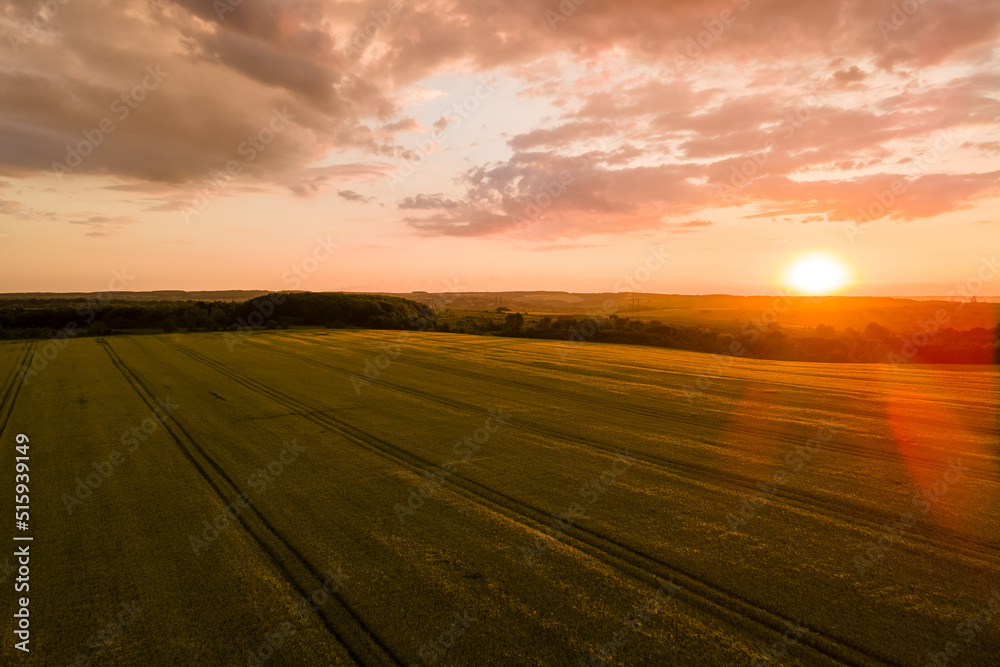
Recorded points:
(14, 382)
(361, 643)
(800, 388)
(986, 553)
(645, 568)
(638, 410)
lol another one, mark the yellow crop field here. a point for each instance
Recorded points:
(401, 498)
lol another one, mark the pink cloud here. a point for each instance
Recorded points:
(659, 104)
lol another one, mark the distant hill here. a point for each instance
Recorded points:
(798, 312)
(802, 313)
(834, 329)
(157, 295)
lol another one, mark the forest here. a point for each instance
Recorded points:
(928, 342)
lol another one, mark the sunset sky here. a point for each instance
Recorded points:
(497, 144)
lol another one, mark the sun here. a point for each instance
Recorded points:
(817, 274)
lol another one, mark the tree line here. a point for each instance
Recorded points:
(88, 318)
(876, 344)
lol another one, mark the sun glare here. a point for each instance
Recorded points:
(817, 274)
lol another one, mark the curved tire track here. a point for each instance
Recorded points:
(984, 552)
(12, 385)
(643, 567)
(360, 642)
(863, 452)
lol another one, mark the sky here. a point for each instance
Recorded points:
(498, 144)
